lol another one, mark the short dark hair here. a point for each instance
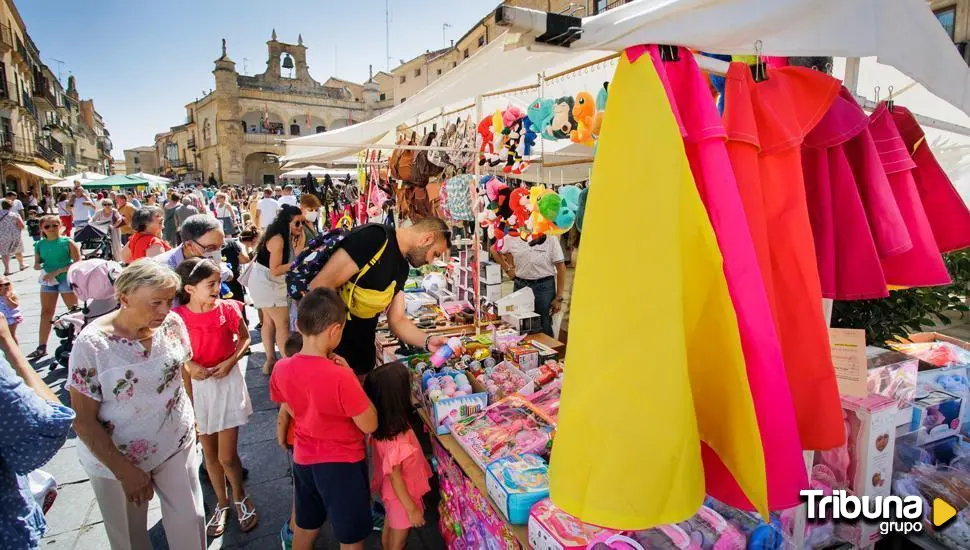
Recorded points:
(197, 225)
(389, 389)
(318, 310)
(294, 344)
(144, 216)
(192, 272)
(6, 204)
(434, 225)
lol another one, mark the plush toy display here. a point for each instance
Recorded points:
(563, 123)
(514, 133)
(600, 110)
(530, 137)
(584, 111)
(540, 114)
(486, 150)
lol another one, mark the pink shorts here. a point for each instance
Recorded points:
(395, 516)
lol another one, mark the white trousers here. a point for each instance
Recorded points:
(176, 482)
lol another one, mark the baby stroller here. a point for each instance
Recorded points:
(94, 243)
(93, 283)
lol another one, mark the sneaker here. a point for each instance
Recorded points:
(286, 536)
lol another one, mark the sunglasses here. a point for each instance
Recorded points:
(4, 285)
(55, 226)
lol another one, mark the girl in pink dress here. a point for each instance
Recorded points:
(400, 471)
(219, 338)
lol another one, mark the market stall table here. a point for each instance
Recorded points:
(474, 473)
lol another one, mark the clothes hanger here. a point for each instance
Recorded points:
(889, 103)
(760, 69)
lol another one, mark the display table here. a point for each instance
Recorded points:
(475, 475)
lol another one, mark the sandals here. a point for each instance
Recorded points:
(247, 516)
(38, 353)
(216, 525)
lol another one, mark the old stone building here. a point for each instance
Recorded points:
(235, 132)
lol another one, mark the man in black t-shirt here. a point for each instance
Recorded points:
(416, 246)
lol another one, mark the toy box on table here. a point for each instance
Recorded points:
(452, 396)
(936, 415)
(503, 380)
(550, 528)
(893, 374)
(525, 356)
(512, 425)
(944, 364)
(467, 520)
(515, 483)
(547, 400)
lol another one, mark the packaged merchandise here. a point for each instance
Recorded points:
(525, 356)
(525, 322)
(550, 528)
(547, 400)
(936, 415)
(893, 374)
(936, 350)
(515, 483)
(503, 380)
(547, 372)
(450, 396)
(512, 425)
(947, 483)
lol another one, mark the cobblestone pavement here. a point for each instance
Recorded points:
(74, 522)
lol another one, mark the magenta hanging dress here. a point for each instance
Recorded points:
(948, 214)
(704, 142)
(848, 262)
(921, 265)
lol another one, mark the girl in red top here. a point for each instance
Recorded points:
(400, 471)
(147, 240)
(220, 338)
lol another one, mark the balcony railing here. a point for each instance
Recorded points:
(28, 104)
(45, 152)
(6, 37)
(9, 143)
(22, 50)
(599, 6)
(264, 139)
(42, 90)
(57, 147)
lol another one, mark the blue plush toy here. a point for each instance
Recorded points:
(530, 137)
(540, 113)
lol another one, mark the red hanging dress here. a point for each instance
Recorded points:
(921, 265)
(766, 123)
(948, 214)
(848, 262)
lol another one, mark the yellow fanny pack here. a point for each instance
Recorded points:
(365, 303)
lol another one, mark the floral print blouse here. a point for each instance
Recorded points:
(144, 407)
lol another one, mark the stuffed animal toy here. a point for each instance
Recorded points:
(600, 110)
(487, 148)
(498, 125)
(530, 137)
(512, 146)
(584, 111)
(563, 122)
(540, 114)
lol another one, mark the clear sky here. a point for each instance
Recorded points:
(142, 60)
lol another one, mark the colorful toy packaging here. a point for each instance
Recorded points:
(515, 483)
(553, 529)
(893, 375)
(503, 380)
(511, 426)
(936, 415)
(547, 400)
(450, 397)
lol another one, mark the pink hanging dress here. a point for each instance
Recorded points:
(848, 262)
(948, 214)
(922, 265)
(704, 142)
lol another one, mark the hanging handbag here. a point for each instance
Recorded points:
(423, 169)
(247, 273)
(405, 162)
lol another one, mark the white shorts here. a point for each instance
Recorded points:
(266, 290)
(222, 403)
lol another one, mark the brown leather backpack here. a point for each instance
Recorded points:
(424, 169)
(402, 168)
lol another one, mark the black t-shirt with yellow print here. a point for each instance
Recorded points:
(358, 344)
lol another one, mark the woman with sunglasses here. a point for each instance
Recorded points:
(53, 254)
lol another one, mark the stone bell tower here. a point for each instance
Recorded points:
(295, 54)
(228, 130)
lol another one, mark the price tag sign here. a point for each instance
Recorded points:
(849, 357)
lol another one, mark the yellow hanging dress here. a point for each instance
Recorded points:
(655, 365)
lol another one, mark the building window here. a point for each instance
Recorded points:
(439, 72)
(404, 79)
(402, 99)
(464, 54)
(294, 129)
(417, 72)
(383, 96)
(481, 41)
(321, 129)
(136, 161)
(947, 18)
(454, 64)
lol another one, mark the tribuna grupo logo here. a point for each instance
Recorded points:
(894, 514)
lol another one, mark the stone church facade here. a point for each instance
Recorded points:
(235, 132)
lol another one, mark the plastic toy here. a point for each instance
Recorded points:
(517, 482)
(504, 380)
(550, 528)
(445, 352)
(512, 425)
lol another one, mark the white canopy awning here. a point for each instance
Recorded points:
(160, 180)
(84, 177)
(36, 171)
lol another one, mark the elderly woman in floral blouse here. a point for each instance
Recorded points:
(134, 419)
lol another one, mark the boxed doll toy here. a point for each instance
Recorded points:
(513, 425)
(550, 528)
(893, 374)
(936, 415)
(503, 380)
(515, 483)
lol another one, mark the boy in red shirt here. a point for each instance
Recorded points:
(332, 413)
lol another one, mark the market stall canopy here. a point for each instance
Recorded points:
(153, 178)
(317, 171)
(83, 177)
(106, 182)
(36, 171)
(902, 33)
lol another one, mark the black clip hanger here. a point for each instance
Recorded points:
(890, 104)
(760, 69)
(669, 53)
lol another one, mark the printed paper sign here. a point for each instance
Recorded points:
(849, 356)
